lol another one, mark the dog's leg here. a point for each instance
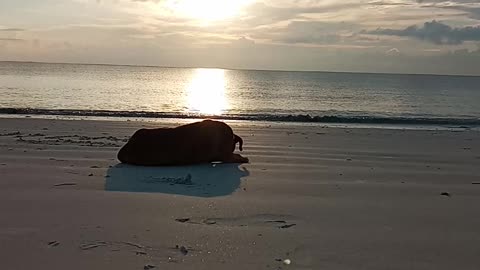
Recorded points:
(235, 158)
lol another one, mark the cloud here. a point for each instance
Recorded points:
(243, 42)
(393, 51)
(12, 39)
(473, 12)
(11, 29)
(471, 7)
(448, 1)
(261, 13)
(10, 35)
(435, 32)
(312, 32)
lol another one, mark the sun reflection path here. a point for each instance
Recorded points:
(206, 92)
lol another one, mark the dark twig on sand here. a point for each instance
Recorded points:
(53, 243)
(276, 221)
(92, 246)
(182, 220)
(132, 244)
(287, 226)
(65, 184)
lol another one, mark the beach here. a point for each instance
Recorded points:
(312, 197)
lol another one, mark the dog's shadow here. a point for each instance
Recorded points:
(206, 180)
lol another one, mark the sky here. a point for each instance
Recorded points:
(395, 36)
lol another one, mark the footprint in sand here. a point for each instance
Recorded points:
(262, 220)
(160, 254)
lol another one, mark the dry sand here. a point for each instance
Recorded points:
(322, 197)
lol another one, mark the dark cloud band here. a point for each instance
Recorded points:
(435, 32)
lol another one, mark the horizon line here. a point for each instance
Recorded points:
(239, 69)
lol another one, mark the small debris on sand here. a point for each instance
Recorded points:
(53, 243)
(446, 194)
(65, 184)
(94, 167)
(148, 266)
(90, 174)
(10, 134)
(275, 221)
(287, 261)
(182, 220)
(187, 180)
(209, 222)
(139, 252)
(183, 250)
(92, 246)
(287, 226)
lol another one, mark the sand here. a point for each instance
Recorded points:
(321, 197)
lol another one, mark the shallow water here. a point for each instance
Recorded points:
(72, 89)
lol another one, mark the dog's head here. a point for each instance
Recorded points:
(236, 140)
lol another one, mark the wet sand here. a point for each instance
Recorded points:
(321, 197)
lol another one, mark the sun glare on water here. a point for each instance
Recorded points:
(207, 10)
(206, 92)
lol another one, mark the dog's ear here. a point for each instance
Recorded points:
(239, 140)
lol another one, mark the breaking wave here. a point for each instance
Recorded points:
(305, 118)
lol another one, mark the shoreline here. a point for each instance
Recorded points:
(321, 197)
(246, 122)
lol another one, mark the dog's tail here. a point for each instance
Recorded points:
(238, 140)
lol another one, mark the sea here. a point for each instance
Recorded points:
(255, 95)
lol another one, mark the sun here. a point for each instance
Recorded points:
(207, 10)
(206, 92)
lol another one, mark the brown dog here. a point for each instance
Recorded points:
(199, 142)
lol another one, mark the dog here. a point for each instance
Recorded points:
(200, 142)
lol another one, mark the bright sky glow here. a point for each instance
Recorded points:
(207, 10)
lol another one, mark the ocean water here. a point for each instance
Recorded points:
(102, 90)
